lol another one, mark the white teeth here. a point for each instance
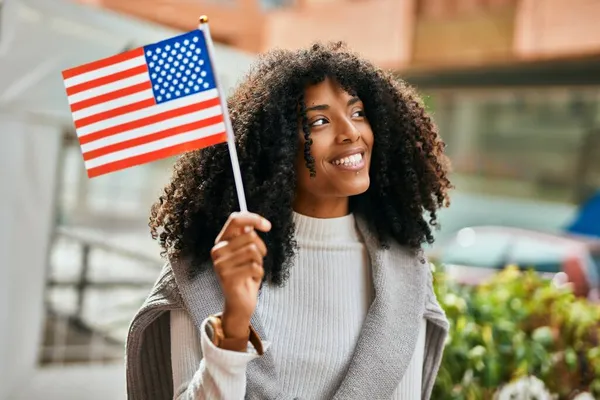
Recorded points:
(354, 159)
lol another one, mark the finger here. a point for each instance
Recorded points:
(257, 272)
(247, 254)
(242, 256)
(219, 250)
(245, 270)
(225, 247)
(246, 239)
(238, 221)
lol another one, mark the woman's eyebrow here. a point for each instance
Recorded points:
(353, 101)
(321, 107)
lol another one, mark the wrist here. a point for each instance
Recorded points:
(235, 325)
(214, 330)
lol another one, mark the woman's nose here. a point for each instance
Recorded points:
(348, 133)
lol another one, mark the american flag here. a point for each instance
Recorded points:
(145, 104)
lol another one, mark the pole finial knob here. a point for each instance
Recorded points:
(203, 19)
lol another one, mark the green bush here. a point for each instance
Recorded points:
(513, 326)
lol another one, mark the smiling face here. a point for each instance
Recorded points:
(342, 141)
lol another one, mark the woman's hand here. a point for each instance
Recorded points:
(238, 261)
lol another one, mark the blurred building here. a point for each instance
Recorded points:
(513, 85)
(76, 259)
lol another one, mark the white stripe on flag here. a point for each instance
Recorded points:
(150, 129)
(112, 104)
(105, 71)
(156, 145)
(108, 88)
(147, 112)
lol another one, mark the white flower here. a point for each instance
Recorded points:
(584, 396)
(527, 388)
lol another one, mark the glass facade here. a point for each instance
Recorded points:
(535, 143)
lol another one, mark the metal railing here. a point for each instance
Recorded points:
(88, 242)
(71, 336)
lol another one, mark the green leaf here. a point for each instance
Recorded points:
(571, 359)
(543, 335)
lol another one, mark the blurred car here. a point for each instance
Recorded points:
(476, 252)
(587, 219)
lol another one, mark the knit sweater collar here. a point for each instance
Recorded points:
(327, 230)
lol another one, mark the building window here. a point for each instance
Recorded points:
(535, 144)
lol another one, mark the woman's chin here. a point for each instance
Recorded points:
(356, 188)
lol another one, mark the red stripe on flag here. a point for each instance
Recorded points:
(115, 112)
(157, 155)
(128, 55)
(113, 130)
(128, 73)
(80, 105)
(153, 137)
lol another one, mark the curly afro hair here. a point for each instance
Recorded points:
(408, 168)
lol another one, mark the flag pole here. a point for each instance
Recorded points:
(235, 165)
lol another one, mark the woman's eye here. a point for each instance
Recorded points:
(358, 114)
(319, 122)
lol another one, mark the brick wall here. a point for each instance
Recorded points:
(557, 28)
(381, 30)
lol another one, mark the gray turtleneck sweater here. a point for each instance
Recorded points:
(313, 322)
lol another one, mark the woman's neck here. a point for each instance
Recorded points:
(322, 208)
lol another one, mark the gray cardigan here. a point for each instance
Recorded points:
(403, 297)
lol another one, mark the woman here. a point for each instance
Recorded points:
(322, 292)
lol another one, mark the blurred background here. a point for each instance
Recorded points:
(514, 86)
